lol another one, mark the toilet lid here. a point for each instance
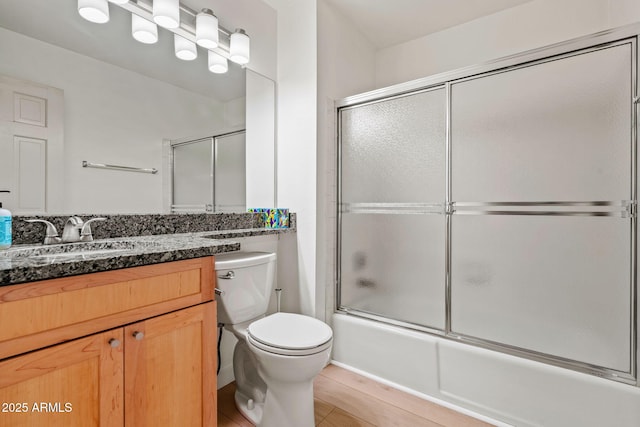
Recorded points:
(290, 331)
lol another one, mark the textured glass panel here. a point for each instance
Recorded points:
(555, 285)
(193, 173)
(560, 130)
(393, 266)
(394, 150)
(230, 181)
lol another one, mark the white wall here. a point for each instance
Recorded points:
(297, 132)
(234, 112)
(346, 59)
(346, 63)
(261, 145)
(531, 25)
(320, 58)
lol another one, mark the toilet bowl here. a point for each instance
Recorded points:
(277, 356)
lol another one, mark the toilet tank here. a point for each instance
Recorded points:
(246, 280)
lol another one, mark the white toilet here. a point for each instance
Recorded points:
(277, 356)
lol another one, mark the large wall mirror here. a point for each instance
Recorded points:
(72, 91)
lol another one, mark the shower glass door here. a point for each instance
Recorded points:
(542, 191)
(230, 173)
(392, 222)
(193, 176)
(497, 206)
(209, 174)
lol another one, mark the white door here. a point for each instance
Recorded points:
(31, 146)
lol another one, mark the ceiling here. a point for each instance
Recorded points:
(57, 22)
(389, 22)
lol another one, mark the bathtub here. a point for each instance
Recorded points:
(498, 388)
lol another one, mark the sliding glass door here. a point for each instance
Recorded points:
(498, 208)
(392, 208)
(209, 174)
(542, 189)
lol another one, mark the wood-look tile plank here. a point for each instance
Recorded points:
(340, 418)
(321, 409)
(227, 406)
(365, 406)
(224, 421)
(228, 413)
(422, 408)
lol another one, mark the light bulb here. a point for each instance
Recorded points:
(142, 30)
(217, 64)
(166, 13)
(207, 29)
(239, 49)
(94, 10)
(185, 49)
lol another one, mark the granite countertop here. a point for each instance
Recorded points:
(27, 263)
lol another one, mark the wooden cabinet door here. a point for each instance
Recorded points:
(170, 369)
(75, 384)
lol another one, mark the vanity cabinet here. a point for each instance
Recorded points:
(131, 347)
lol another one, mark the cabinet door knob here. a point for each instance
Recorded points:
(113, 342)
(138, 335)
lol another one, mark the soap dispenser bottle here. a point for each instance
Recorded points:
(5, 228)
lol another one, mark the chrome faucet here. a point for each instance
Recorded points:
(51, 236)
(75, 230)
(72, 228)
(85, 232)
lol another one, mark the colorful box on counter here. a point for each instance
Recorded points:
(273, 218)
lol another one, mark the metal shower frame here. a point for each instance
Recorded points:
(625, 209)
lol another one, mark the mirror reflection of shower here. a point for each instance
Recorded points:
(208, 174)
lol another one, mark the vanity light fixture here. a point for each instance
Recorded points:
(166, 13)
(143, 30)
(217, 63)
(207, 29)
(185, 49)
(94, 10)
(190, 28)
(239, 47)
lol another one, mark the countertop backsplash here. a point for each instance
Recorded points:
(129, 225)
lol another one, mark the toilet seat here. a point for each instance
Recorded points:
(290, 334)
